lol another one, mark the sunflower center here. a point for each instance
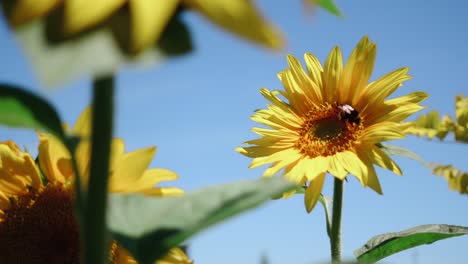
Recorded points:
(329, 129)
(40, 227)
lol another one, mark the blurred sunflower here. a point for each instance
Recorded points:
(36, 210)
(329, 119)
(148, 18)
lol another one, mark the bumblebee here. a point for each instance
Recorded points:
(348, 113)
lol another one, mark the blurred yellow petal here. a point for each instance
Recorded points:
(17, 170)
(149, 18)
(83, 14)
(163, 191)
(83, 158)
(313, 191)
(51, 150)
(175, 256)
(117, 152)
(130, 167)
(147, 180)
(23, 11)
(240, 17)
(82, 125)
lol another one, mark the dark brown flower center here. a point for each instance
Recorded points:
(40, 227)
(329, 129)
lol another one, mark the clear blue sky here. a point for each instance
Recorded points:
(196, 110)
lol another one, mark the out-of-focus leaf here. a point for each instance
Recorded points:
(457, 179)
(461, 113)
(326, 201)
(430, 125)
(461, 110)
(58, 59)
(176, 39)
(382, 246)
(400, 151)
(148, 227)
(328, 5)
(20, 108)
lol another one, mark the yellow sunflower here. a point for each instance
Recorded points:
(128, 171)
(37, 213)
(330, 119)
(149, 18)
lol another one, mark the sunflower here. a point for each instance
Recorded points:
(128, 171)
(36, 210)
(331, 120)
(149, 18)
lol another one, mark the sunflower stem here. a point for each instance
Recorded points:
(96, 248)
(335, 238)
(79, 200)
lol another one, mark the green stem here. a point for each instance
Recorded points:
(96, 250)
(79, 201)
(335, 239)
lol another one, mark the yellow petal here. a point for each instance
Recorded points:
(131, 167)
(414, 97)
(315, 70)
(331, 74)
(309, 88)
(149, 18)
(383, 160)
(313, 191)
(24, 11)
(51, 150)
(277, 166)
(381, 132)
(296, 171)
(280, 155)
(175, 256)
(315, 167)
(84, 14)
(354, 165)
(145, 181)
(299, 102)
(240, 17)
(373, 180)
(17, 170)
(163, 191)
(357, 71)
(377, 91)
(117, 152)
(83, 158)
(82, 125)
(336, 168)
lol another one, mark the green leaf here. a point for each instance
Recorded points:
(58, 59)
(20, 108)
(404, 152)
(382, 246)
(175, 39)
(329, 5)
(149, 226)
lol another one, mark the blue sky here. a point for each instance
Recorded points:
(196, 110)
